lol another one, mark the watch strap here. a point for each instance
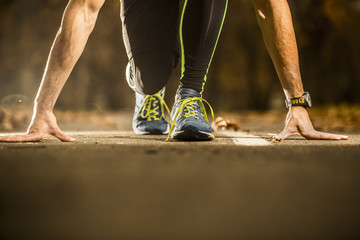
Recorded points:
(299, 101)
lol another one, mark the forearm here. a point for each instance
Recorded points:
(275, 21)
(77, 24)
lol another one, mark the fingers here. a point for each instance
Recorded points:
(22, 138)
(288, 131)
(311, 135)
(284, 135)
(35, 137)
(281, 136)
(60, 135)
(316, 135)
(298, 122)
(344, 137)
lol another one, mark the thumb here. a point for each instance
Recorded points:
(287, 132)
(63, 137)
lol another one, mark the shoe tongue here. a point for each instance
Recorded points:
(184, 93)
(162, 92)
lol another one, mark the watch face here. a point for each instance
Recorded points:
(287, 103)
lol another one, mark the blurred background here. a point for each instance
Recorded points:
(241, 78)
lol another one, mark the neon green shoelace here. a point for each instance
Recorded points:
(189, 105)
(150, 107)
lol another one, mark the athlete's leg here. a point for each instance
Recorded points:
(150, 71)
(200, 27)
(150, 32)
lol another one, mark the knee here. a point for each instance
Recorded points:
(152, 71)
(151, 82)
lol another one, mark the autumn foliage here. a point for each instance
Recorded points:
(241, 77)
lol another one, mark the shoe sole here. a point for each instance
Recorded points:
(193, 134)
(153, 132)
(150, 133)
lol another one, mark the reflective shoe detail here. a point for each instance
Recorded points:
(149, 115)
(189, 119)
(130, 74)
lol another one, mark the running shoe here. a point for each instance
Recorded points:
(189, 118)
(149, 115)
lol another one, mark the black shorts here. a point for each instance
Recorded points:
(150, 25)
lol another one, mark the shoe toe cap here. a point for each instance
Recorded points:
(200, 126)
(151, 127)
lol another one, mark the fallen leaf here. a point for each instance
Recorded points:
(225, 124)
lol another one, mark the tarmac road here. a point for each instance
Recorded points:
(116, 185)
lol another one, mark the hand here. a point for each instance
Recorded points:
(42, 126)
(298, 123)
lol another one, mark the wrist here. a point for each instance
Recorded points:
(294, 93)
(303, 101)
(41, 113)
(41, 108)
(297, 108)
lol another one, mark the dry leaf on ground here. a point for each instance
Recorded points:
(225, 124)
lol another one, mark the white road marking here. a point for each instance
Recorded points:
(89, 133)
(238, 138)
(78, 133)
(244, 139)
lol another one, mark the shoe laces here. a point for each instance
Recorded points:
(189, 105)
(151, 107)
(190, 110)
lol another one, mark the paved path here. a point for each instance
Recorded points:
(116, 185)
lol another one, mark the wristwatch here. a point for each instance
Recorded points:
(304, 101)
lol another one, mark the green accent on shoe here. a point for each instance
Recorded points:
(188, 105)
(150, 108)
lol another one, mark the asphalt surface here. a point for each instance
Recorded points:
(116, 185)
